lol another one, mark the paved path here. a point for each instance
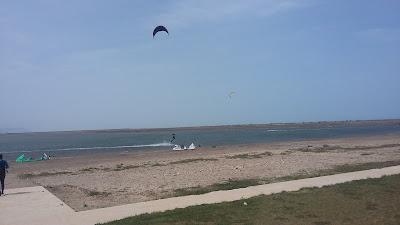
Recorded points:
(37, 206)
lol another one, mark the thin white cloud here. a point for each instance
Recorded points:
(187, 12)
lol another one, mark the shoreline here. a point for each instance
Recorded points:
(208, 149)
(83, 151)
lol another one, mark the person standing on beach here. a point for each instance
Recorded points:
(3, 170)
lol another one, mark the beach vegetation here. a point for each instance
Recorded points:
(367, 153)
(97, 193)
(364, 166)
(227, 185)
(192, 160)
(183, 161)
(326, 148)
(43, 174)
(121, 167)
(88, 169)
(249, 156)
(287, 152)
(157, 164)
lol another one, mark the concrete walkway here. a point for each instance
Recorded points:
(33, 205)
(37, 206)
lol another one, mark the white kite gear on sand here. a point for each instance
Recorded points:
(178, 148)
(192, 147)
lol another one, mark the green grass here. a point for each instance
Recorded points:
(249, 156)
(372, 201)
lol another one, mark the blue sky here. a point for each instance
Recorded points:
(68, 65)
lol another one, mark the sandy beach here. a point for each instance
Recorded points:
(102, 180)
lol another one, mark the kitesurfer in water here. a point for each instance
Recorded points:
(173, 138)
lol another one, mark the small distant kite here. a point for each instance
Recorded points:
(159, 29)
(231, 94)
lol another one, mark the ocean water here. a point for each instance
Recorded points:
(66, 143)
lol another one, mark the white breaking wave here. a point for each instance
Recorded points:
(277, 130)
(294, 130)
(163, 144)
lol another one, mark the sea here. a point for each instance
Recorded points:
(116, 141)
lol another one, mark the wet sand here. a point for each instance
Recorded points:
(102, 180)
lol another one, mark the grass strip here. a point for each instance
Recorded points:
(363, 202)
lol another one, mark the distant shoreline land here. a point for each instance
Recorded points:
(299, 125)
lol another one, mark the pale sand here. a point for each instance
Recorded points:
(97, 181)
